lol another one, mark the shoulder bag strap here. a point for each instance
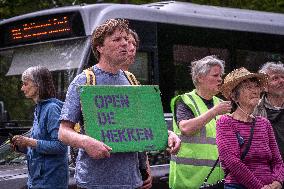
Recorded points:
(212, 169)
(249, 141)
(242, 156)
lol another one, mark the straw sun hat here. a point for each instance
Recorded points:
(237, 76)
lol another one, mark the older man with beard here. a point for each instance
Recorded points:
(271, 104)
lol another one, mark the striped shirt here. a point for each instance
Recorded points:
(262, 164)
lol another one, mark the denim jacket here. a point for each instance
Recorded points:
(48, 162)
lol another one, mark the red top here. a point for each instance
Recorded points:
(262, 164)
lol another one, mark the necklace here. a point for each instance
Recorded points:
(248, 115)
(248, 118)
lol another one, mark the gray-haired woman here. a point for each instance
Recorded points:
(195, 115)
(46, 155)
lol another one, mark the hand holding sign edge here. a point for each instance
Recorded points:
(96, 149)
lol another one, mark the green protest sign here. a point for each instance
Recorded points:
(127, 118)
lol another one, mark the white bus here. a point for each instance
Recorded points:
(172, 35)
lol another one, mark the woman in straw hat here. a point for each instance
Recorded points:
(261, 167)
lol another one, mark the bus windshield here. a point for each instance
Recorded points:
(62, 55)
(62, 58)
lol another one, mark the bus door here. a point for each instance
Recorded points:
(179, 45)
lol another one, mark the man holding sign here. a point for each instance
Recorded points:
(96, 167)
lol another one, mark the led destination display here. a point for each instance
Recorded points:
(42, 28)
(51, 27)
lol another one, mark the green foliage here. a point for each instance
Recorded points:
(10, 8)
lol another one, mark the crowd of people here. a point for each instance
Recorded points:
(244, 131)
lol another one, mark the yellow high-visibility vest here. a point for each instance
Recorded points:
(198, 152)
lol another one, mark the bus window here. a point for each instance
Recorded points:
(247, 58)
(179, 45)
(18, 107)
(140, 67)
(184, 55)
(252, 50)
(62, 58)
(62, 79)
(61, 55)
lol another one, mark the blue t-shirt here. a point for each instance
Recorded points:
(121, 170)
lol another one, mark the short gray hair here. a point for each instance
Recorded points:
(203, 66)
(275, 67)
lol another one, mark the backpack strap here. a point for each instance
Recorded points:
(91, 78)
(131, 78)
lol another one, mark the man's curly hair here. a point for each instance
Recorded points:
(107, 29)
